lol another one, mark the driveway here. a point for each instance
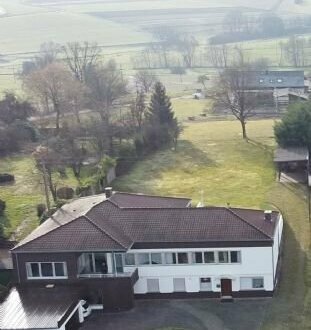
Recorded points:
(191, 314)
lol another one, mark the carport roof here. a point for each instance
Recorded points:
(36, 308)
(291, 154)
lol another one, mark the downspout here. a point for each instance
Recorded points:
(17, 266)
(273, 267)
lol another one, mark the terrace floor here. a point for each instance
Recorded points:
(190, 314)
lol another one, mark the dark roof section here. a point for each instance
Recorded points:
(81, 234)
(127, 200)
(276, 79)
(106, 226)
(292, 154)
(36, 308)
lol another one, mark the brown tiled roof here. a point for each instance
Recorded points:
(107, 226)
(127, 200)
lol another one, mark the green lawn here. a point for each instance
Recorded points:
(22, 197)
(212, 158)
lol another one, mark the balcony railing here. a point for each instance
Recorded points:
(99, 275)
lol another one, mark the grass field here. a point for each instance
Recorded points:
(212, 157)
(22, 197)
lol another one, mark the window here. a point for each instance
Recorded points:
(118, 262)
(179, 285)
(251, 283)
(197, 258)
(176, 258)
(209, 257)
(129, 259)
(153, 285)
(257, 283)
(182, 258)
(205, 284)
(223, 257)
(235, 257)
(143, 259)
(46, 270)
(34, 270)
(170, 258)
(156, 258)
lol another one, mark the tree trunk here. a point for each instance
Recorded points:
(243, 125)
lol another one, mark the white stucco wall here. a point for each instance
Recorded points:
(255, 262)
(277, 243)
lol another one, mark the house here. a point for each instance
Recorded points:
(278, 88)
(114, 247)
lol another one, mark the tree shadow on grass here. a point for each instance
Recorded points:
(189, 151)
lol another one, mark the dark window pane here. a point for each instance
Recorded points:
(59, 269)
(119, 263)
(46, 269)
(257, 283)
(129, 259)
(143, 258)
(235, 256)
(156, 258)
(197, 257)
(34, 270)
(182, 258)
(223, 256)
(209, 257)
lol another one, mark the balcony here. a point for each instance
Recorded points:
(101, 265)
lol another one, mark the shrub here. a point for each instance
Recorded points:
(41, 208)
(178, 70)
(6, 178)
(65, 193)
(2, 206)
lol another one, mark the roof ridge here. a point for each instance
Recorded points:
(104, 231)
(147, 195)
(250, 224)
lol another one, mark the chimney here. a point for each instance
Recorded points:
(108, 192)
(268, 215)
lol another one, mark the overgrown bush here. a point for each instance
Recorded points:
(41, 208)
(2, 206)
(178, 70)
(65, 193)
(6, 178)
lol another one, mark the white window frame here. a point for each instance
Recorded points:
(40, 277)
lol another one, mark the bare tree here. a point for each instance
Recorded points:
(145, 80)
(138, 109)
(294, 50)
(168, 40)
(106, 86)
(234, 21)
(218, 55)
(231, 91)
(187, 46)
(51, 83)
(80, 57)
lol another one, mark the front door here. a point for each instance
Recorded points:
(226, 287)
